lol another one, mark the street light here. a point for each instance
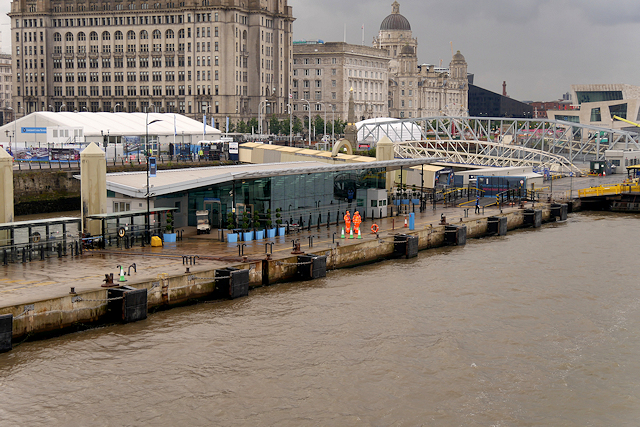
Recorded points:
(333, 122)
(265, 102)
(205, 110)
(325, 119)
(309, 106)
(65, 107)
(290, 121)
(115, 108)
(146, 141)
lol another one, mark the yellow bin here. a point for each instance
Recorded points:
(156, 241)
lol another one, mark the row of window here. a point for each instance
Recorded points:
(120, 20)
(119, 35)
(119, 91)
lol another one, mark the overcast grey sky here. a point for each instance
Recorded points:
(540, 47)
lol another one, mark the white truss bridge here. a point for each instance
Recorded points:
(540, 143)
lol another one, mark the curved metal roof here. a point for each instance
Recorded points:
(395, 21)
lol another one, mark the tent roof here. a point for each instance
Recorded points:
(116, 124)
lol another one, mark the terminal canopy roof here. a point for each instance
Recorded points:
(114, 124)
(134, 184)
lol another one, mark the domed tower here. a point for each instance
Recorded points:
(458, 67)
(395, 34)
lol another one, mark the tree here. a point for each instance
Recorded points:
(274, 125)
(284, 126)
(297, 125)
(252, 126)
(241, 127)
(231, 127)
(339, 125)
(319, 124)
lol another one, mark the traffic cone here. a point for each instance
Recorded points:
(405, 222)
(351, 233)
(122, 279)
(359, 236)
(342, 237)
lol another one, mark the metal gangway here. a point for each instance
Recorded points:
(541, 143)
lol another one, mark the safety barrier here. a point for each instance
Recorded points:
(609, 190)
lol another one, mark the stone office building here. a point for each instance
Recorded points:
(324, 73)
(221, 58)
(419, 90)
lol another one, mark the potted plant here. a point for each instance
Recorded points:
(256, 227)
(271, 232)
(281, 229)
(169, 235)
(247, 235)
(231, 236)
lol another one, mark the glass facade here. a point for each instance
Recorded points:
(599, 96)
(596, 116)
(619, 110)
(298, 196)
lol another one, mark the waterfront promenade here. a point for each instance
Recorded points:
(40, 280)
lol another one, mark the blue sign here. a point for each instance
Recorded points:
(152, 167)
(33, 130)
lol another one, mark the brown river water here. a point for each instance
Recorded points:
(537, 328)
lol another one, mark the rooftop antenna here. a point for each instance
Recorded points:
(451, 43)
(362, 34)
(345, 33)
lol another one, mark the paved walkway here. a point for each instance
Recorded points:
(38, 280)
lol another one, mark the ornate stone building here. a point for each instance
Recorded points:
(324, 73)
(419, 90)
(224, 58)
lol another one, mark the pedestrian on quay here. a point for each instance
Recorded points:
(477, 204)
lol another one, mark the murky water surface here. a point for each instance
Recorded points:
(538, 328)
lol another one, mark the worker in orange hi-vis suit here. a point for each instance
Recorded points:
(347, 222)
(357, 220)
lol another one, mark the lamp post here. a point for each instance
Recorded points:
(14, 125)
(333, 122)
(205, 110)
(265, 102)
(325, 119)
(309, 107)
(146, 141)
(65, 107)
(290, 123)
(115, 108)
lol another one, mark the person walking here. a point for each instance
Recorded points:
(477, 204)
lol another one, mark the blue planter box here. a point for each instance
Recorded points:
(259, 234)
(271, 233)
(247, 236)
(282, 231)
(232, 237)
(405, 201)
(169, 237)
(415, 201)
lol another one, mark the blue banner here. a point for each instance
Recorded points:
(33, 130)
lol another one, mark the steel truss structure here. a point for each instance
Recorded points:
(540, 143)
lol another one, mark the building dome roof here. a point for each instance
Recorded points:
(407, 50)
(458, 57)
(395, 21)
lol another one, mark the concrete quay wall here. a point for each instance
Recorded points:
(76, 311)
